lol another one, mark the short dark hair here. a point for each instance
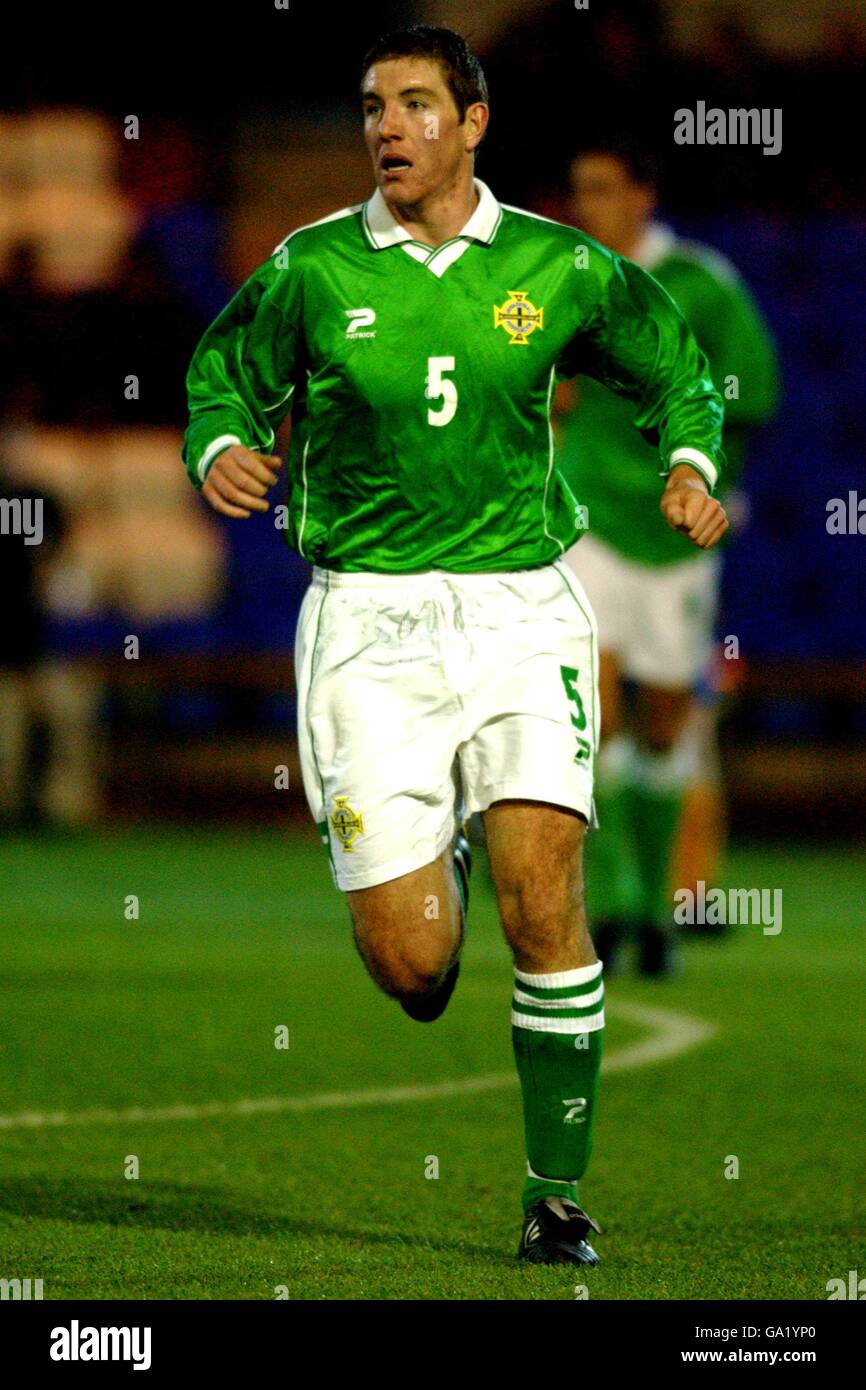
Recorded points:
(461, 69)
(640, 166)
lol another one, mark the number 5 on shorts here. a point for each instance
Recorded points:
(569, 680)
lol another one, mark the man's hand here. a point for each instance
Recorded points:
(687, 506)
(238, 479)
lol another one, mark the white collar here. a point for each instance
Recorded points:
(655, 245)
(384, 230)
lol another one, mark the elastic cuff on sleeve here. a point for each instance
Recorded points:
(697, 460)
(224, 441)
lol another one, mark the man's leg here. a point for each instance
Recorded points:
(615, 589)
(558, 1012)
(700, 841)
(657, 778)
(670, 648)
(383, 799)
(409, 930)
(612, 884)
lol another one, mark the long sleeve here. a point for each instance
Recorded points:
(635, 341)
(738, 343)
(241, 378)
(743, 361)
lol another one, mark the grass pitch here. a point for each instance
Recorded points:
(240, 932)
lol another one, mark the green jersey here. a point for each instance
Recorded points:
(420, 383)
(601, 455)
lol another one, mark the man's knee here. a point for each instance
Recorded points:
(536, 852)
(658, 738)
(661, 717)
(411, 979)
(542, 908)
(541, 898)
(545, 930)
(405, 965)
(407, 931)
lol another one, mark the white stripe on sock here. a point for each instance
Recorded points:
(576, 1001)
(534, 1024)
(662, 772)
(581, 976)
(613, 761)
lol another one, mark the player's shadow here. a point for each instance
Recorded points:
(174, 1207)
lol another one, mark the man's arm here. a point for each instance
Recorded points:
(239, 387)
(743, 361)
(736, 338)
(635, 341)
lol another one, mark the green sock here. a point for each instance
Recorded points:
(654, 801)
(558, 1030)
(613, 888)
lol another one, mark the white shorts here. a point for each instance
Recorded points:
(423, 698)
(657, 620)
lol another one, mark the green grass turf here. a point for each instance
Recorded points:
(241, 931)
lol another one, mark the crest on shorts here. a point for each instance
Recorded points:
(518, 316)
(347, 825)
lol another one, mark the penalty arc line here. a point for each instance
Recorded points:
(671, 1035)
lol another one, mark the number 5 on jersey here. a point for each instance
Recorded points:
(438, 386)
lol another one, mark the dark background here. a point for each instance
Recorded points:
(249, 126)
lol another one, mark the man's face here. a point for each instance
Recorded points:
(607, 202)
(413, 132)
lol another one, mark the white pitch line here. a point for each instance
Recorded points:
(673, 1033)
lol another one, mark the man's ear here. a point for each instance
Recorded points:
(476, 119)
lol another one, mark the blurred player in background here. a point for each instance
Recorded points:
(655, 598)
